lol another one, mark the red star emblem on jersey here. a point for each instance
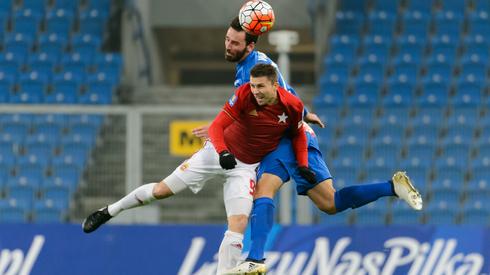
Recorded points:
(282, 118)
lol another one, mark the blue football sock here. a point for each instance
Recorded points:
(361, 194)
(262, 219)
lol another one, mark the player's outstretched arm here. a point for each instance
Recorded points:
(314, 119)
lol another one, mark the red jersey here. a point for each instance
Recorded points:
(256, 130)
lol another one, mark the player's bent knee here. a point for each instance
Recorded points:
(237, 223)
(162, 191)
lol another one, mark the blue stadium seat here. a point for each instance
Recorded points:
(473, 68)
(67, 82)
(339, 219)
(16, 131)
(374, 213)
(59, 21)
(329, 99)
(26, 21)
(458, 135)
(343, 48)
(328, 115)
(481, 5)
(403, 214)
(429, 115)
(389, 134)
(379, 170)
(415, 23)
(370, 71)
(54, 44)
(45, 211)
(42, 62)
(478, 190)
(7, 157)
(338, 72)
(455, 6)
(10, 63)
(358, 132)
(60, 195)
(399, 97)
(30, 171)
(6, 6)
(18, 43)
(86, 44)
(476, 44)
(35, 5)
(31, 89)
(350, 152)
(409, 52)
(478, 23)
(75, 63)
(424, 130)
(404, 72)
(49, 139)
(70, 183)
(422, 154)
(22, 194)
(424, 7)
(105, 5)
(348, 22)
(434, 94)
(387, 154)
(10, 212)
(92, 22)
(39, 149)
(108, 63)
(441, 213)
(439, 70)
(91, 120)
(394, 115)
(346, 175)
(448, 23)
(59, 119)
(388, 6)
(381, 23)
(476, 213)
(468, 96)
(69, 5)
(6, 87)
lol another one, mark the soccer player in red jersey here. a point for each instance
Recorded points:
(250, 126)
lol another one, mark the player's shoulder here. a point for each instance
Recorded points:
(290, 99)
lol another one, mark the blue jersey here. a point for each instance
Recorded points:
(282, 161)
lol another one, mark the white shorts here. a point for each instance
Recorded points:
(204, 165)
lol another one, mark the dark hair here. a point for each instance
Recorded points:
(235, 24)
(267, 70)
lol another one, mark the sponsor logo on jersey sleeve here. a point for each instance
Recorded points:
(232, 100)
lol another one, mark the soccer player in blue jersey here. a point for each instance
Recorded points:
(280, 166)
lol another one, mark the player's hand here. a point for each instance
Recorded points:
(201, 132)
(307, 174)
(227, 160)
(313, 118)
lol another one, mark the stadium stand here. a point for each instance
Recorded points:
(419, 69)
(50, 52)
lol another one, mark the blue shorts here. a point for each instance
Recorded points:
(282, 163)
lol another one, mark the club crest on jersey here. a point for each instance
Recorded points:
(184, 166)
(232, 100)
(282, 118)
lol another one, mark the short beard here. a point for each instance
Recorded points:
(235, 58)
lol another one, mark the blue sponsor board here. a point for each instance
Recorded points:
(181, 249)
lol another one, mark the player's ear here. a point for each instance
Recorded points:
(250, 47)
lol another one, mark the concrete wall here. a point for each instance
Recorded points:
(216, 13)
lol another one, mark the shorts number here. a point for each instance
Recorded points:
(252, 187)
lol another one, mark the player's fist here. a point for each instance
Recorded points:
(227, 160)
(307, 174)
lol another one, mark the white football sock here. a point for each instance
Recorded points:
(230, 251)
(140, 196)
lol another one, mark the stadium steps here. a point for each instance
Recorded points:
(105, 176)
